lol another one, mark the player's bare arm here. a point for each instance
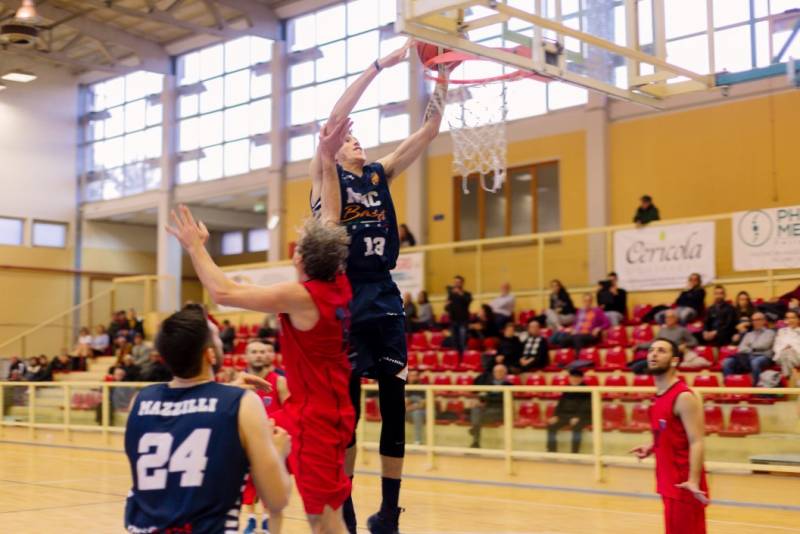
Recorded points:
(344, 106)
(284, 297)
(266, 451)
(642, 451)
(283, 389)
(331, 139)
(690, 410)
(413, 147)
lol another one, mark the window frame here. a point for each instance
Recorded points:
(63, 224)
(22, 221)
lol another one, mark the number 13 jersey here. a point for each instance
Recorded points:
(187, 460)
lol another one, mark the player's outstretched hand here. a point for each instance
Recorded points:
(189, 232)
(698, 494)
(642, 451)
(282, 441)
(332, 136)
(397, 56)
(248, 381)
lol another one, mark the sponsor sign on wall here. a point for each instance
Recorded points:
(766, 239)
(410, 273)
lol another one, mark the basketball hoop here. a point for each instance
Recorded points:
(478, 127)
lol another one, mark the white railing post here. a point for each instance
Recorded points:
(508, 428)
(31, 410)
(105, 412)
(67, 411)
(430, 420)
(597, 434)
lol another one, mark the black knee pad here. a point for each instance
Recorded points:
(392, 395)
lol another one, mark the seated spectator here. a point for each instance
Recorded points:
(410, 310)
(509, 350)
(787, 344)
(33, 369)
(83, 347)
(17, 367)
(574, 410)
(503, 305)
(424, 319)
(535, 354)
(100, 341)
(561, 311)
(267, 329)
(118, 325)
(486, 325)
(415, 407)
(121, 347)
(690, 304)
(589, 325)
(133, 372)
(46, 374)
(744, 313)
(489, 406)
(680, 335)
(134, 323)
(228, 336)
(406, 237)
(755, 351)
(156, 370)
(61, 363)
(720, 323)
(647, 212)
(613, 299)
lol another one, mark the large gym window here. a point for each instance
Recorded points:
(529, 202)
(122, 136)
(328, 50)
(224, 110)
(11, 231)
(49, 234)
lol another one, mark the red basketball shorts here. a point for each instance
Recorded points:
(684, 517)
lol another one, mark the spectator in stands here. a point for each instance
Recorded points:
(778, 306)
(680, 335)
(61, 363)
(83, 347)
(458, 302)
(46, 374)
(121, 347)
(424, 319)
(33, 369)
(503, 305)
(415, 407)
(720, 323)
(486, 324)
(140, 350)
(787, 344)
(755, 351)
(118, 325)
(535, 351)
(134, 323)
(647, 212)
(228, 336)
(744, 313)
(509, 350)
(691, 302)
(133, 372)
(613, 299)
(267, 329)
(561, 311)
(590, 323)
(410, 310)
(488, 408)
(573, 410)
(156, 370)
(17, 367)
(406, 237)
(100, 341)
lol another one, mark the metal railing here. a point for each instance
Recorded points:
(598, 457)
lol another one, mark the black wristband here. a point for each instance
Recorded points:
(377, 66)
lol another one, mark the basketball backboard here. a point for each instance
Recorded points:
(617, 47)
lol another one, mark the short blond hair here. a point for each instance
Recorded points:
(323, 248)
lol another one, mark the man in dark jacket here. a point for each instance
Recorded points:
(690, 304)
(573, 410)
(613, 299)
(647, 212)
(489, 408)
(720, 324)
(535, 352)
(458, 302)
(509, 350)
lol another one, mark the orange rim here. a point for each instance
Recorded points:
(455, 56)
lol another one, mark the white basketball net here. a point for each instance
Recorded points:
(478, 130)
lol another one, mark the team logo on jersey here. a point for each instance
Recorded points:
(375, 179)
(368, 199)
(354, 212)
(662, 424)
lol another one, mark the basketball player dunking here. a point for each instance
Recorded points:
(676, 419)
(314, 316)
(377, 337)
(190, 442)
(260, 357)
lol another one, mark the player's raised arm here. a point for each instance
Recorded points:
(690, 410)
(344, 106)
(413, 147)
(331, 139)
(266, 453)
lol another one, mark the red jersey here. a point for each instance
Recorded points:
(671, 445)
(317, 368)
(271, 400)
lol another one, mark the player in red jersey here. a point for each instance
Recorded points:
(260, 356)
(676, 419)
(314, 318)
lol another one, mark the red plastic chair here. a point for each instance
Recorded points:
(558, 380)
(240, 347)
(591, 380)
(535, 380)
(616, 336)
(419, 341)
(227, 361)
(641, 381)
(643, 333)
(471, 361)
(444, 320)
(639, 311)
(372, 411)
(614, 417)
(706, 381)
(525, 316)
(473, 343)
(455, 407)
(413, 360)
(491, 343)
(705, 352)
(437, 338)
(430, 361)
(465, 380)
(640, 419)
(546, 332)
(713, 418)
(443, 380)
(615, 380)
(561, 359)
(425, 379)
(529, 415)
(240, 363)
(590, 354)
(242, 332)
(724, 353)
(615, 358)
(736, 381)
(549, 411)
(254, 328)
(743, 422)
(450, 360)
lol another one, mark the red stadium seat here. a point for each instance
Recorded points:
(491, 343)
(724, 353)
(464, 380)
(419, 341)
(614, 417)
(549, 411)
(615, 380)
(535, 380)
(413, 360)
(430, 361)
(616, 336)
(713, 418)
(444, 320)
(443, 380)
(450, 360)
(705, 380)
(513, 380)
(705, 352)
(455, 413)
(242, 332)
(473, 343)
(227, 361)
(425, 378)
(561, 379)
(373, 412)
(639, 311)
(240, 347)
(591, 380)
(240, 363)
(529, 415)
(471, 361)
(437, 338)
(546, 332)
(640, 419)
(736, 381)
(641, 381)
(254, 328)
(743, 422)
(562, 358)
(590, 354)
(643, 333)
(525, 316)
(616, 358)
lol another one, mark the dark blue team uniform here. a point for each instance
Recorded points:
(187, 461)
(377, 338)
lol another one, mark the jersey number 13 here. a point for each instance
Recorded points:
(188, 458)
(374, 246)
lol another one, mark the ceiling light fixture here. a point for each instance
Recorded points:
(20, 76)
(27, 11)
(2, 87)
(273, 222)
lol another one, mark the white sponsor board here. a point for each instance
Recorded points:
(409, 275)
(662, 257)
(260, 276)
(766, 239)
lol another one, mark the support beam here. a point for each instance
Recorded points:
(214, 10)
(263, 21)
(276, 183)
(63, 59)
(223, 219)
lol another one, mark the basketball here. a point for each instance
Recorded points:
(429, 51)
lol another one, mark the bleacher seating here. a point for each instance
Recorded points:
(614, 416)
(713, 418)
(430, 361)
(450, 360)
(529, 415)
(590, 354)
(616, 380)
(616, 358)
(736, 381)
(471, 361)
(743, 422)
(643, 333)
(437, 338)
(640, 381)
(563, 357)
(640, 419)
(616, 336)
(419, 341)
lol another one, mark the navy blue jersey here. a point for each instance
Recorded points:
(187, 461)
(369, 216)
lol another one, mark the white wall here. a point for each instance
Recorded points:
(117, 236)
(38, 144)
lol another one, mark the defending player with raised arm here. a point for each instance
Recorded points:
(676, 419)
(377, 338)
(314, 315)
